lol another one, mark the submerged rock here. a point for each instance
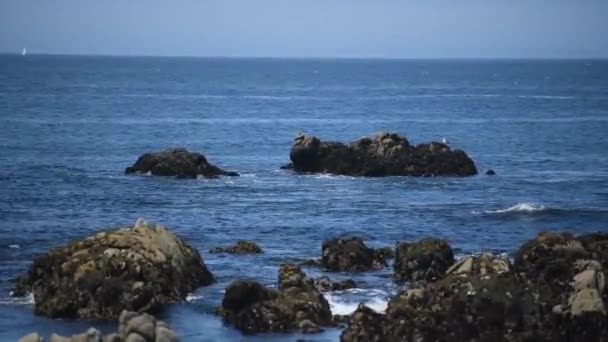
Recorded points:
(351, 254)
(426, 259)
(178, 162)
(241, 247)
(137, 268)
(297, 305)
(133, 327)
(383, 155)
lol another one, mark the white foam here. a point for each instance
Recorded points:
(340, 306)
(27, 300)
(14, 246)
(192, 297)
(525, 207)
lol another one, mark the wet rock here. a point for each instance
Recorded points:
(140, 267)
(132, 327)
(383, 155)
(324, 284)
(365, 325)
(297, 305)
(549, 262)
(597, 246)
(241, 247)
(427, 260)
(177, 162)
(385, 253)
(350, 254)
(490, 172)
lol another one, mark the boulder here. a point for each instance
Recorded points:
(365, 325)
(132, 327)
(350, 254)
(385, 154)
(324, 284)
(140, 267)
(427, 260)
(549, 262)
(241, 247)
(296, 306)
(177, 162)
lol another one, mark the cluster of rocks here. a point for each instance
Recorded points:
(386, 154)
(554, 291)
(132, 327)
(241, 247)
(297, 305)
(177, 162)
(136, 268)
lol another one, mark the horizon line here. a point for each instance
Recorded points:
(287, 57)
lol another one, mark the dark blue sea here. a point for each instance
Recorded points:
(70, 125)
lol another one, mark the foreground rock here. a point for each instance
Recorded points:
(297, 305)
(133, 327)
(352, 255)
(383, 155)
(137, 268)
(177, 162)
(555, 291)
(427, 259)
(241, 247)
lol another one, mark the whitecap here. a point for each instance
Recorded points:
(14, 246)
(192, 297)
(26, 300)
(525, 207)
(340, 305)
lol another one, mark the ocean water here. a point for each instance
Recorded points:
(70, 125)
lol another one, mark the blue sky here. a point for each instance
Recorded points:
(312, 28)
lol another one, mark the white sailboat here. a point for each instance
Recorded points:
(23, 52)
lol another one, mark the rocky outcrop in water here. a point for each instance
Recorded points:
(177, 162)
(352, 255)
(324, 284)
(426, 259)
(383, 155)
(137, 268)
(241, 247)
(555, 291)
(132, 327)
(297, 305)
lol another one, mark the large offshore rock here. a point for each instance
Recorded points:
(297, 305)
(383, 155)
(178, 162)
(137, 268)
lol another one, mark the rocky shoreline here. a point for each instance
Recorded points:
(553, 290)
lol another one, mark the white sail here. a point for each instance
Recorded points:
(23, 52)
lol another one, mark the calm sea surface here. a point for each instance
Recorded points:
(70, 125)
